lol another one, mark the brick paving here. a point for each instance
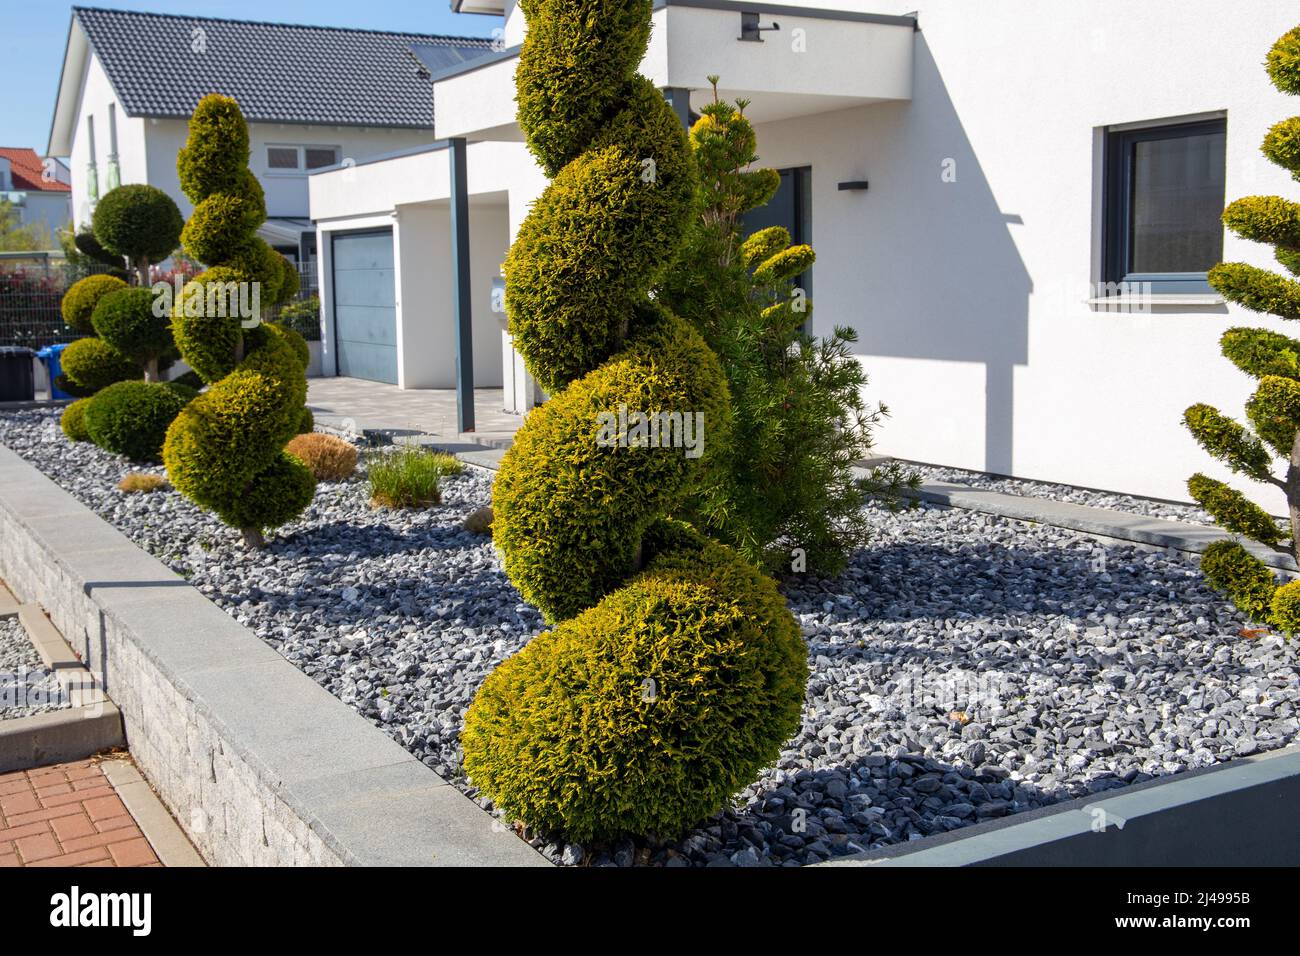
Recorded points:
(67, 815)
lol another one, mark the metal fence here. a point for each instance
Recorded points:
(32, 285)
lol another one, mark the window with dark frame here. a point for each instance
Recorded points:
(1164, 194)
(297, 159)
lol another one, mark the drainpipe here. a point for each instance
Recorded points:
(114, 173)
(462, 289)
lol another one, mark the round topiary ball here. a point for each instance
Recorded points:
(93, 364)
(132, 418)
(73, 420)
(79, 302)
(138, 221)
(1286, 608)
(127, 320)
(648, 712)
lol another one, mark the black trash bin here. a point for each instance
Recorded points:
(16, 381)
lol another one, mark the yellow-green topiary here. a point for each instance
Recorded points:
(225, 451)
(645, 713)
(1273, 359)
(92, 364)
(675, 672)
(78, 304)
(73, 421)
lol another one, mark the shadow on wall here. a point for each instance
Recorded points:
(965, 295)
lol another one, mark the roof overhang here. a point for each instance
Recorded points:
(817, 62)
(72, 79)
(493, 7)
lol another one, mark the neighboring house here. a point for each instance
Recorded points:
(1026, 270)
(38, 189)
(313, 96)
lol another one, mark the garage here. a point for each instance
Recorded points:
(365, 306)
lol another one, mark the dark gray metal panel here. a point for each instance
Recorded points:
(462, 291)
(365, 306)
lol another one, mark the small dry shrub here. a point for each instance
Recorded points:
(140, 483)
(327, 457)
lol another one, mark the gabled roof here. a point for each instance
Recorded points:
(26, 170)
(161, 65)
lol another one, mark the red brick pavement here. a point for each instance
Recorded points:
(67, 815)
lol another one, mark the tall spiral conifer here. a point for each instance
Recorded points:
(674, 671)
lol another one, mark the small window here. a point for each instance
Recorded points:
(282, 157)
(318, 157)
(1164, 199)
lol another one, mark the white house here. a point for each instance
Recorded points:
(37, 189)
(314, 97)
(1013, 203)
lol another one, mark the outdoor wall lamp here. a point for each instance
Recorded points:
(751, 31)
(854, 185)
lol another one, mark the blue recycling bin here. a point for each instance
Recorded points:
(52, 356)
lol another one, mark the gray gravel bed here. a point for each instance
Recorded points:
(965, 667)
(27, 688)
(1131, 504)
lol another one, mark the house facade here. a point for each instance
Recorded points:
(314, 97)
(37, 189)
(1014, 209)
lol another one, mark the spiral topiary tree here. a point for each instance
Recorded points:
(225, 451)
(674, 672)
(1274, 360)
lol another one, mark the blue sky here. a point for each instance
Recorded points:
(33, 34)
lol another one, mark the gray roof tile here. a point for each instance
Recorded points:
(277, 72)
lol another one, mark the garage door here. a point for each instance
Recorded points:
(365, 306)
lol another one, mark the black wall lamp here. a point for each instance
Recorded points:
(854, 185)
(750, 29)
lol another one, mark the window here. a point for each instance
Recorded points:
(1164, 198)
(298, 159)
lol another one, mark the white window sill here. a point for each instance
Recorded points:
(1156, 299)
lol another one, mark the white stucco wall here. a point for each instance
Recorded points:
(969, 296)
(50, 209)
(97, 95)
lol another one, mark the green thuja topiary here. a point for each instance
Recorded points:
(73, 421)
(225, 451)
(78, 304)
(92, 364)
(132, 323)
(1274, 409)
(784, 490)
(675, 672)
(132, 418)
(140, 223)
